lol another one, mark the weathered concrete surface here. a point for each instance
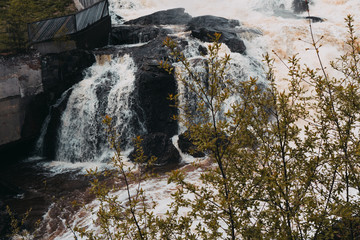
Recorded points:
(20, 78)
(9, 88)
(11, 119)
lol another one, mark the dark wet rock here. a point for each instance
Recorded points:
(152, 88)
(300, 6)
(51, 136)
(134, 34)
(61, 71)
(187, 146)
(204, 28)
(314, 19)
(203, 50)
(176, 16)
(235, 45)
(159, 145)
(153, 85)
(214, 22)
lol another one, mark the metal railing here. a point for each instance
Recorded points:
(66, 25)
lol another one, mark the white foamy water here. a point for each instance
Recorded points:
(274, 18)
(104, 91)
(282, 31)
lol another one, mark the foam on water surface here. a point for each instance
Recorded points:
(281, 31)
(280, 27)
(104, 91)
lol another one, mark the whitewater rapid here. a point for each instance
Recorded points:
(105, 90)
(282, 31)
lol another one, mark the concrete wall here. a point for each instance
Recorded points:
(55, 46)
(20, 78)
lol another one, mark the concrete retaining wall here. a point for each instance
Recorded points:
(20, 78)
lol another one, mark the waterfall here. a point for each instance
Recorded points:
(106, 90)
(39, 146)
(108, 86)
(240, 68)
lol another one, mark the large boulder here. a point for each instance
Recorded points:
(209, 21)
(187, 146)
(126, 34)
(152, 88)
(204, 28)
(160, 146)
(176, 16)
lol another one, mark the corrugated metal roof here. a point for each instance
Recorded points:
(62, 26)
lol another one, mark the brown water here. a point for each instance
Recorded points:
(25, 185)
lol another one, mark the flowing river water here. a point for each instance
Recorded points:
(282, 31)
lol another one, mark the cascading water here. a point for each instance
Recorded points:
(274, 27)
(241, 68)
(281, 28)
(39, 147)
(107, 89)
(104, 91)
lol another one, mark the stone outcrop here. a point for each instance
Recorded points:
(61, 71)
(204, 27)
(152, 88)
(149, 27)
(160, 146)
(30, 87)
(176, 16)
(126, 34)
(187, 146)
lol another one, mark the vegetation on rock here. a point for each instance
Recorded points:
(285, 164)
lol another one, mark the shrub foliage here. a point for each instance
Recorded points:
(284, 164)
